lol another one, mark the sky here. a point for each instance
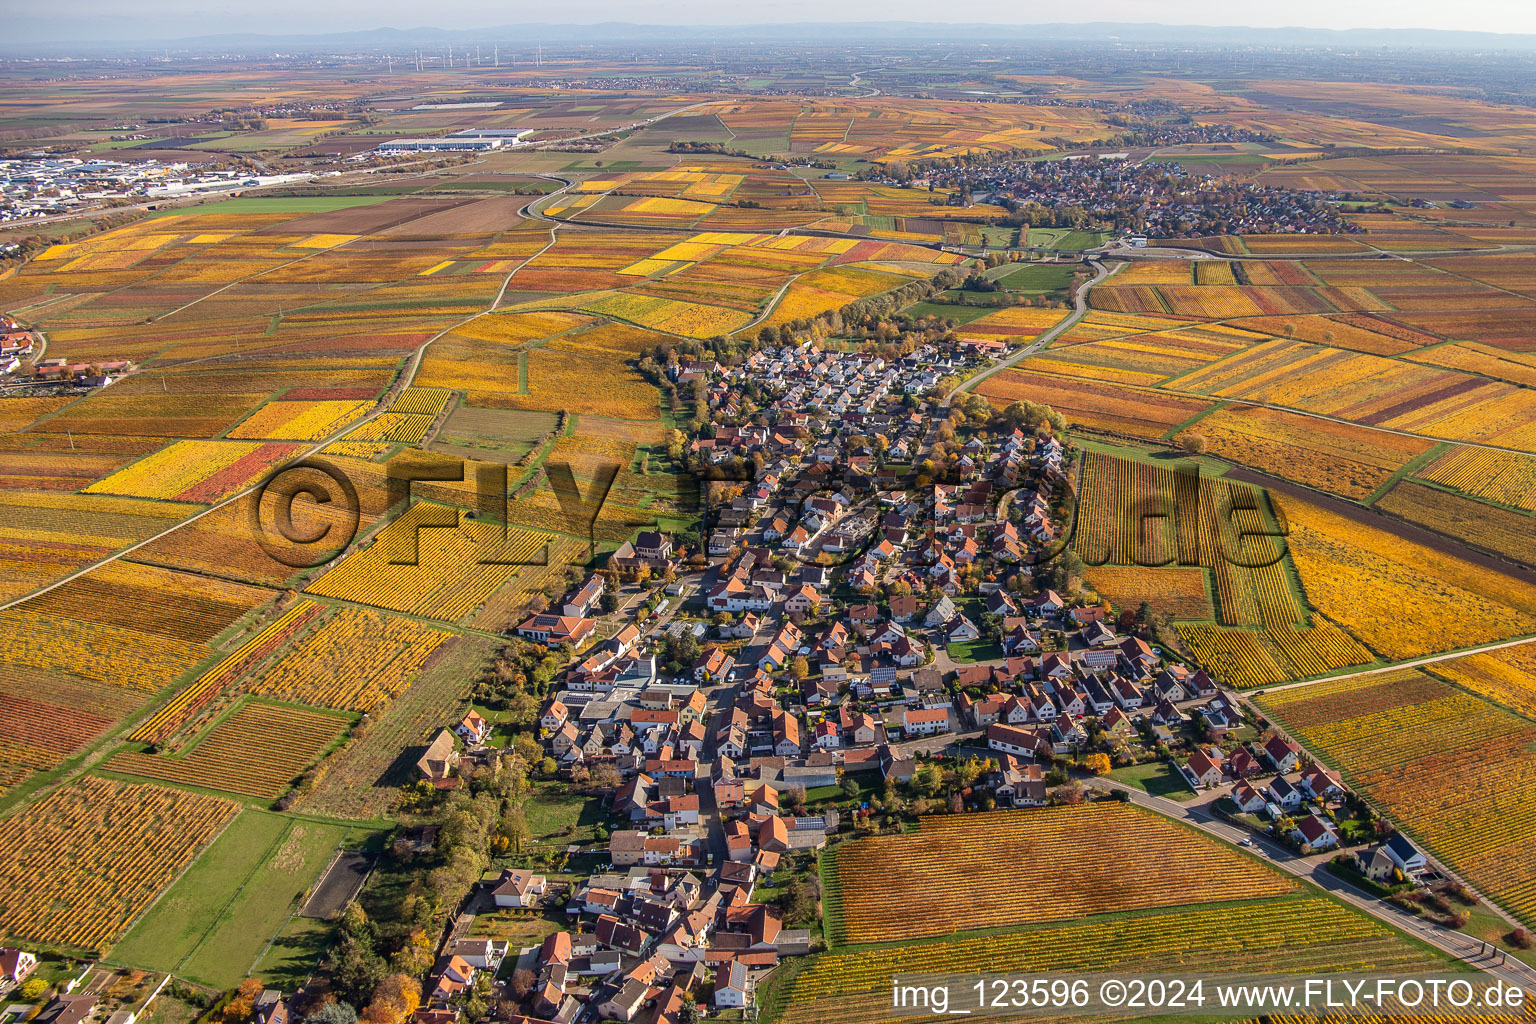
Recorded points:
(181, 18)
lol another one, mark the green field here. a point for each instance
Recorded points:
(1159, 778)
(1064, 238)
(1035, 278)
(277, 204)
(975, 650)
(960, 314)
(214, 923)
(554, 807)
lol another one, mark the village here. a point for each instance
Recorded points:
(848, 652)
(1150, 198)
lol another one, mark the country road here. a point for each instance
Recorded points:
(1314, 869)
(1041, 342)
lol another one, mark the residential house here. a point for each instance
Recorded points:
(1282, 753)
(1022, 742)
(15, 965)
(1314, 832)
(1202, 769)
(518, 887)
(473, 729)
(1320, 783)
(625, 1002)
(732, 983)
(1285, 796)
(1396, 854)
(1247, 799)
(924, 721)
(586, 599)
(554, 630)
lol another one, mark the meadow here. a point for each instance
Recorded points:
(196, 931)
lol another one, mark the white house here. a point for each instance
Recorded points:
(1397, 853)
(518, 888)
(924, 721)
(732, 985)
(1286, 796)
(1314, 832)
(473, 729)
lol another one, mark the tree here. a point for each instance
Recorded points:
(333, 1011)
(514, 826)
(1098, 764)
(356, 967)
(971, 769)
(415, 957)
(604, 776)
(850, 787)
(33, 988)
(928, 779)
(799, 668)
(527, 748)
(395, 999)
(548, 766)
(243, 1003)
(1194, 443)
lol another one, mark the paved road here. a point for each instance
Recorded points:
(1099, 274)
(1314, 870)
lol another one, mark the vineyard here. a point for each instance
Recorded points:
(299, 421)
(1455, 771)
(1401, 599)
(1287, 934)
(437, 572)
(1499, 530)
(196, 471)
(1506, 676)
(1333, 457)
(358, 660)
(1178, 592)
(1015, 867)
(82, 863)
(213, 682)
(257, 750)
(356, 781)
(1501, 477)
(1135, 513)
(1261, 657)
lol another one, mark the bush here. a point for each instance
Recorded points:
(1521, 938)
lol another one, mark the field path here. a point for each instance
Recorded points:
(1397, 666)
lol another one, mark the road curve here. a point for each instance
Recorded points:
(1100, 274)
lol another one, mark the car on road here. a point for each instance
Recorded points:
(1245, 841)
